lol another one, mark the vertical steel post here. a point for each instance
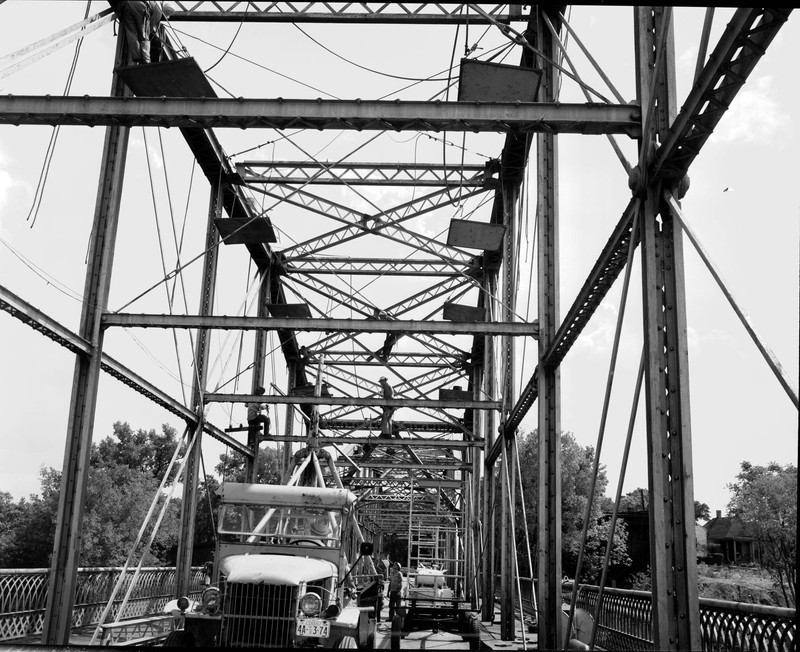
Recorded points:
(548, 550)
(473, 531)
(507, 492)
(290, 409)
(676, 612)
(75, 471)
(259, 365)
(488, 520)
(183, 565)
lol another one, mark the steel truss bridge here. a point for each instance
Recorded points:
(374, 276)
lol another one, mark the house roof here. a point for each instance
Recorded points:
(727, 527)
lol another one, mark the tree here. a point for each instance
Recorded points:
(576, 469)
(765, 499)
(269, 462)
(125, 471)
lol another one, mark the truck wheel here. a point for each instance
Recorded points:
(397, 632)
(348, 643)
(179, 638)
(472, 632)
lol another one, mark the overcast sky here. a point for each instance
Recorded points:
(742, 204)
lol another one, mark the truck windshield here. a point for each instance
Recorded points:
(281, 525)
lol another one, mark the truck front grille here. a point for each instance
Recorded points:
(258, 615)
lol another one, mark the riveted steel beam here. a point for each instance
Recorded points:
(231, 322)
(244, 113)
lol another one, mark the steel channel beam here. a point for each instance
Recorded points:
(235, 322)
(347, 400)
(549, 576)
(250, 113)
(193, 461)
(57, 622)
(372, 424)
(673, 555)
(425, 465)
(378, 442)
(431, 483)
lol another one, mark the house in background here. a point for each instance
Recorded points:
(729, 542)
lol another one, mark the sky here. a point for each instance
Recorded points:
(742, 205)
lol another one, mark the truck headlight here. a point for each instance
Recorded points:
(210, 600)
(310, 604)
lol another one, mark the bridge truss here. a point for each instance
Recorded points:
(399, 255)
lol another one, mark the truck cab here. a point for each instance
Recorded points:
(281, 573)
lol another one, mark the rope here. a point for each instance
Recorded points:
(163, 260)
(353, 63)
(258, 65)
(233, 40)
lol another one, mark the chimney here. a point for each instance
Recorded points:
(719, 513)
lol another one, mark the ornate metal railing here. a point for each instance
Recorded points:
(23, 596)
(624, 622)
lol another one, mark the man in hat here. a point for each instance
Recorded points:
(258, 414)
(386, 416)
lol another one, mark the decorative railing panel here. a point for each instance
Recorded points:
(23, 596)
(624, 622)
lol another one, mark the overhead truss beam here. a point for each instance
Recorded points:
(242, 113)
(367, 174)
(374, 267)
(232, 322)
(411, 13)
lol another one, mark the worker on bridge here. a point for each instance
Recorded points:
(258, 414)
(388, 411)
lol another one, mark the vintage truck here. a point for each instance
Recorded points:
(281, 575)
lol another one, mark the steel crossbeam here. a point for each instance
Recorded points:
(371, 13)
(367, 174)
(237, 322)
(214, 397)
(248, 113)
(376, 267)
(399, 359)
(353, 425)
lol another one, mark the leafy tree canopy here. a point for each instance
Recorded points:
(765, 499)
(577, 464)
(126, 469)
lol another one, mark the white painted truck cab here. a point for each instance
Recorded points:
(280, 577)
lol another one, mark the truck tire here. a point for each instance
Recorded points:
(347, 643)
(179, 638)
(472, 632)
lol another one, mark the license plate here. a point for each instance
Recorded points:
(313, 627)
